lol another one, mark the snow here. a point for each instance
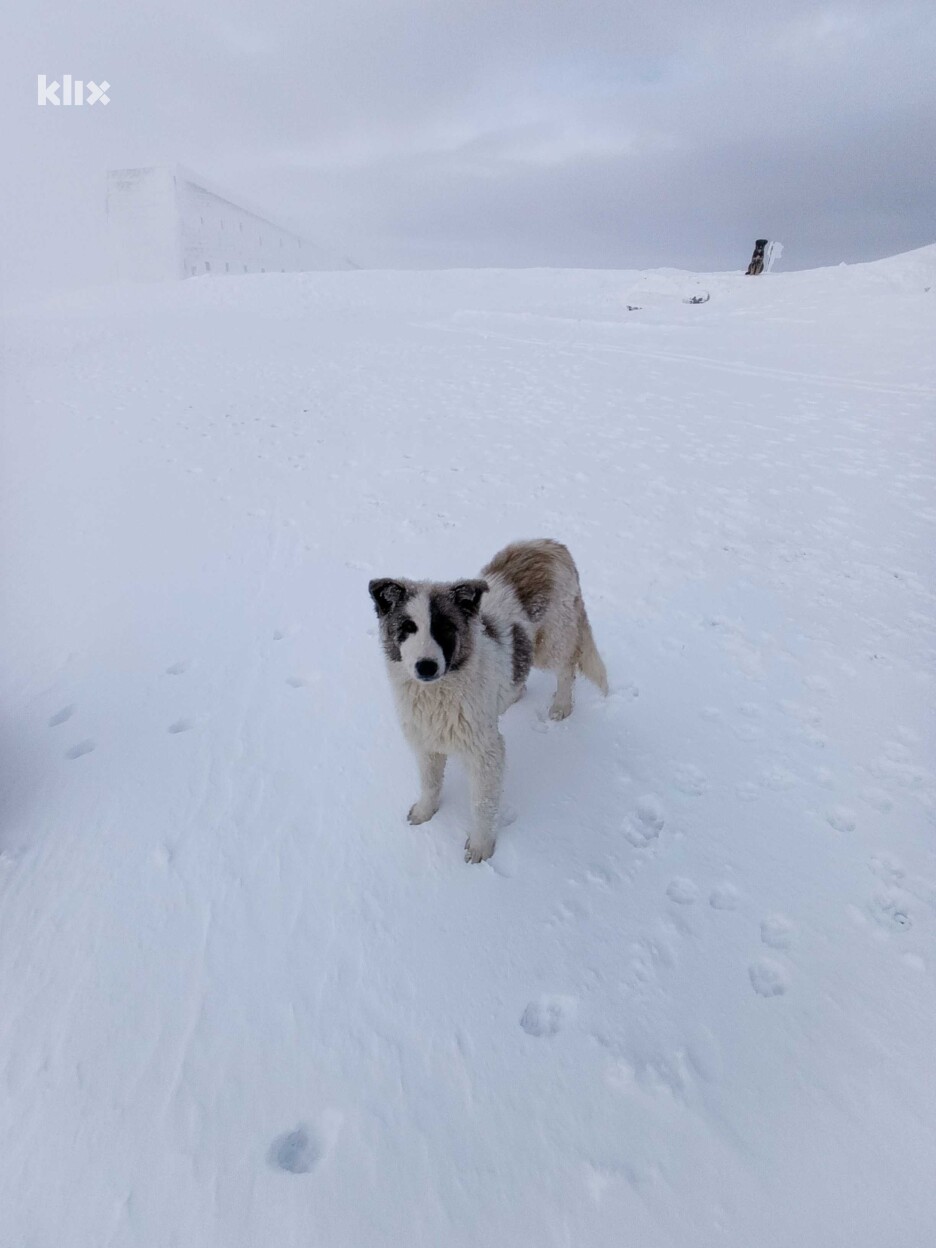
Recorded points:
(690, 1001)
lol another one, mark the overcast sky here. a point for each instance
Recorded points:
(487, 132)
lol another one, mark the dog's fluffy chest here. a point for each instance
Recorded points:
(453, 714)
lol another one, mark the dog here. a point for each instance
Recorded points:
(458, 655)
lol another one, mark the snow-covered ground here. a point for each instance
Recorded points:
(691, 1001)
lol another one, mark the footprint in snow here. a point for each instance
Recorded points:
(650, 812)
(777, 931)
(768, 978)
(879, 800)
(182, 725)
(62, 716)
(547, 1015)
(841, 818)
(83, 747)
(682, 891)
(777, 778)
(177, 669)
(648, 824)
(690, 780)
(887, 909)
(296, 1152)
(724, 897)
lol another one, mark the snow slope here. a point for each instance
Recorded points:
(691, 1000)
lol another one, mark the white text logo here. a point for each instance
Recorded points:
(74, 91)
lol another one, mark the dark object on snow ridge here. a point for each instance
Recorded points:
(757, 260)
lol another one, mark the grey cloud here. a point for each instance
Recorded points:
(407, 134)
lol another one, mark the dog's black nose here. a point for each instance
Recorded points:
(426, 669)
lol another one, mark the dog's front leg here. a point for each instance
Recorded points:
(486, 767)
(431, 771)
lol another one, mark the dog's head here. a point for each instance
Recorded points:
(427, 627)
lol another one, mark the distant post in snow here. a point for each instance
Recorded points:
(773, 254)
(757, 260)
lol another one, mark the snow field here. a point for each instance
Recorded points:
(690, 1001)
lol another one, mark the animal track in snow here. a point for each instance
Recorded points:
(768, 978)
(724, 897)
(639, 834)
(599, 875)
(888, 910)
(177, 669)
(878, 800)
(297, 682)
(682, 891)
(776, 778)
(804, 714)
(650, 812)
(690, 779)
(296, 1152)
(83, 747)
(777, 931)
(841, 818)
(182, 725)
(62, 716)
(887, 869)
(568, 911)
(649, 956)
(648, 823)
(547, 1015)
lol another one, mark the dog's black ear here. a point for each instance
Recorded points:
(386, 594)
(467, 595)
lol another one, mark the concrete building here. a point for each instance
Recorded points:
(166, 222)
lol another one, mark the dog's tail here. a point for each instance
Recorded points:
(590, 662)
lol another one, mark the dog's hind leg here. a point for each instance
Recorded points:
(561, 707)
(487, 774)
(431, 771)
(563, 661)
(578, 653)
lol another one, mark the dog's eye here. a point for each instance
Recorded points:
(407, 628)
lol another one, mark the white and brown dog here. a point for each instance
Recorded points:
(458, 654)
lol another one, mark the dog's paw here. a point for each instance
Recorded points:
(560, 710)
(420, 813)
(478, 852)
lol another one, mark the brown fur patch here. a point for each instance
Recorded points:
(529, 567)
